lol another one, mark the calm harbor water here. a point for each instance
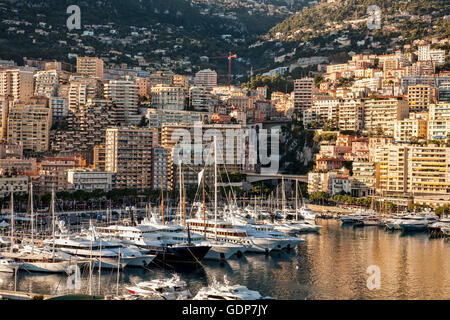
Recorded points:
(329, 265)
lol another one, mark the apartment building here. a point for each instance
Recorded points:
(86, 126)
(90, 67)
(420, 171)
(409, 128)
(303, 94)
(99, 157)
(162, 169)
(351, 115)
(18, 83)
(200, 98)
(234, 155)
(159, 118)
(46, 83)
(419, 98)
(125, 96)
(53, 172)
(206, 77)
(382, 112)
(60, 107)
(18, 184)
(129, 155)
(364, 179)
(167, 97)
(89, 179)
(29, 124)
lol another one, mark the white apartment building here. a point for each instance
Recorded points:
(409, 128)
(125, 96)
(351, 115)
(200, 98)
(206, 77)
(382, 112)
(167, 97)
(46, 83)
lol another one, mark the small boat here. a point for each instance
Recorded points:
(225, 291)
(8, 265)
(168, 289)
(368, 221)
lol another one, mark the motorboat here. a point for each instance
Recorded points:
(225, 291)
(169, 289)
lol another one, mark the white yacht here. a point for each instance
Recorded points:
(169, 242)
(42, 260)
(417, 222)
(104, 254)
(8, 265)
(293, 227)
(252, 239)
(168, 289)
(225, 291)
(306, 213)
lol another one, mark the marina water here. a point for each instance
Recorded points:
(331, 264)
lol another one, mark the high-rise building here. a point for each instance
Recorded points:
(419, 98)
(303, 94)
(351, 115)
(29, 124)
(200, 98)
(167, 97)
(444, 92)
(381, 112)
(90, 67)
(46, 83)
(129, 155)
(162, 169)
(125, 96)
(206, 77)
(420, 171)
(409, 128)
(86, 126)
(18, 83)
(99, 157)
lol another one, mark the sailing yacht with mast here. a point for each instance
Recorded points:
(39, 259)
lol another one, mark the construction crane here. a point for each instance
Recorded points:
(229, 57)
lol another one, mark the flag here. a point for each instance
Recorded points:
(200, 176)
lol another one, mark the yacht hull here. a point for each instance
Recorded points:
(8, 269)
(413, 227)
(180, 254)
(222, 252)
(46, 267)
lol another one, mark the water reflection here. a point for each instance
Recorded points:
(329, 265)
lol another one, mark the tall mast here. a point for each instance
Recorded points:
(100, 266)
(11, 204)
(184, 200)
(32, 217)
(52, 208)
(215, 187)
(181, 192)
(203, 203)
(283, 196)
(162, 201)
(296, 202)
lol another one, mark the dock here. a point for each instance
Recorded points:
(18, 295)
